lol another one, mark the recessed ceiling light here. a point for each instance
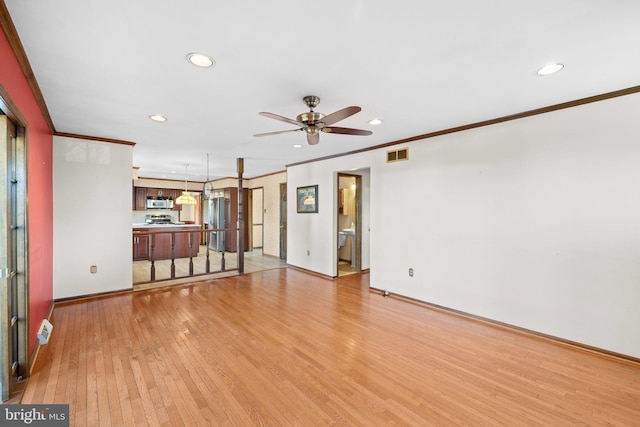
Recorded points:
(297, 146)
(375, 122)
(201, 60)
(158, 118)
(550, 69)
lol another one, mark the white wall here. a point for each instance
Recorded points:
(533, 222)
(312, 237)
(91, 216)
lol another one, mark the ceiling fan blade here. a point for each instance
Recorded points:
(313, 138)
(340, 115)
(346, 131)
(281, 118)
(277, 132)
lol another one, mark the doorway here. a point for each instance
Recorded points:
(283, 220)
(13, 258)
(256, 226)
(349, 224)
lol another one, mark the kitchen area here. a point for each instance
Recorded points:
(155, 209)
(178, 233)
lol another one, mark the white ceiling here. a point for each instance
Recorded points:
(419, 65)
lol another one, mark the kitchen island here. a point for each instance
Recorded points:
(154, 241)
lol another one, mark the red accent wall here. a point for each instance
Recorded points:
(39, 188)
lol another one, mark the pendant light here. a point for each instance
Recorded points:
(207, 187)
(186, 198)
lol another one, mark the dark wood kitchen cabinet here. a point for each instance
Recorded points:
(162, 242)
(159, 192)
(174, 195)
(140, 195)
(140, 248)
(139, 198)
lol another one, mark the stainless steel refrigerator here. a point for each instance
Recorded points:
(214, 214)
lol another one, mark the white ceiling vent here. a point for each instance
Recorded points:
(397, 155)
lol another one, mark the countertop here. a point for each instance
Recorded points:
(175, 224)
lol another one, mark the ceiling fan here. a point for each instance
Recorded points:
(313, 123)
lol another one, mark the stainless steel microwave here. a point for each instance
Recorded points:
(159, 203)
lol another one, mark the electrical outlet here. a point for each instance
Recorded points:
(308, 252)
(93, 269)
(411, 272)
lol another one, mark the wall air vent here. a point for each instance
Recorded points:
(397, 155)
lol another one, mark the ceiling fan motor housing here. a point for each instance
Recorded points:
(311, 118)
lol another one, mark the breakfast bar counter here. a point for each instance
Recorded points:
(153, 241)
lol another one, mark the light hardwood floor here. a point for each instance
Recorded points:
(283, 348)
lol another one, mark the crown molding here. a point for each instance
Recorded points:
(18, 50)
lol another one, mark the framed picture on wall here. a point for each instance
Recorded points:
(307, 199)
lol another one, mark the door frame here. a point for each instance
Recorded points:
(256, 221)
(283, 221)
(14, 292)
(358, 221)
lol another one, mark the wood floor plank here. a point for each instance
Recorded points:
(71, 351)
(84, 348)
(64, 372)
(121, 393)
(282, 347)
(92, 392)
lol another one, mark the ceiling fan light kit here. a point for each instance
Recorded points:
(313, 122)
